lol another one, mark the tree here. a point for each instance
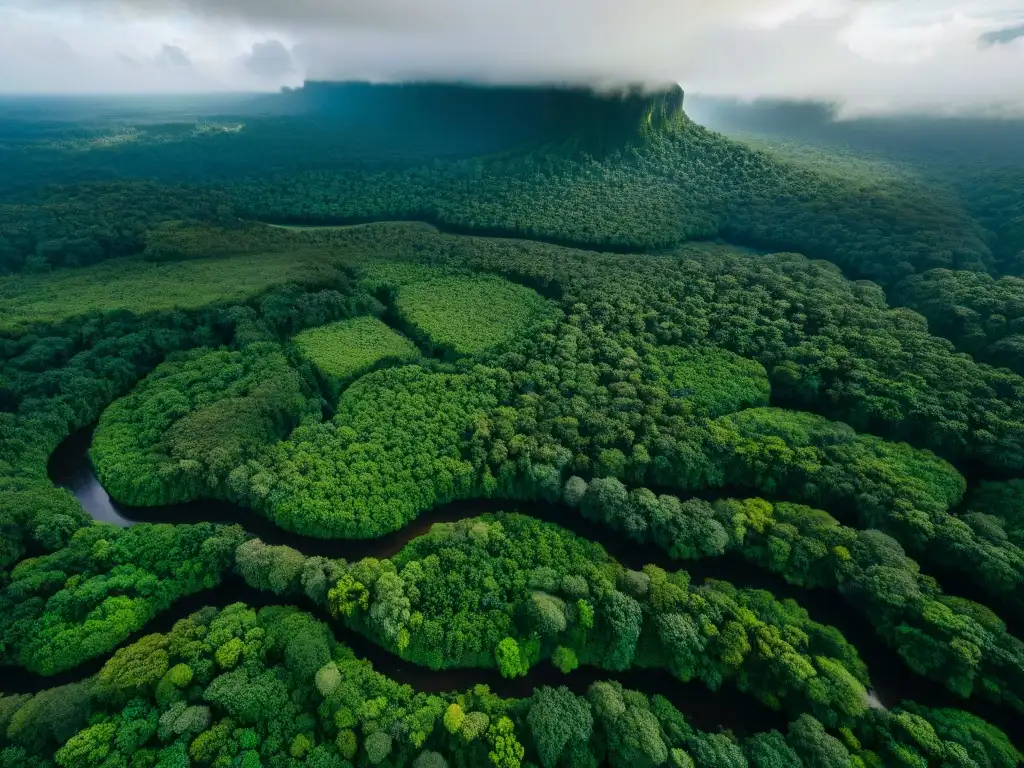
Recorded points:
(623, 618)
(770, 750)
(378, 747)
(556, 718)
(510, 659)
(548, 613)
(475, 725)
(564, 659)
(506, 751)
(347, 743)
(453, 718)
(328, 678)
(87, 748)
(135, 668)
(815, 746)
(634, 739)
(428, 759)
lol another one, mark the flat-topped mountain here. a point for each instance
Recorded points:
(546, 114)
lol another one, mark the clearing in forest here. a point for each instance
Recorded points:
(343, 350)
(470, 315)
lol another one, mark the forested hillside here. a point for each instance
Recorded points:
(701, 501)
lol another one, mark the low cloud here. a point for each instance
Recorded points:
(174, 56)
(269, 60)
(1002, 36)
(867, 55)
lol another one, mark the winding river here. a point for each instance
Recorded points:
(69, 467)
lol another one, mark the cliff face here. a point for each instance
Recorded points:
(587, 119)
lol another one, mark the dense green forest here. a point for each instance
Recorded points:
(237, 687)
(795, 364)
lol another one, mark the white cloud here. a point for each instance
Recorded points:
(868, 55)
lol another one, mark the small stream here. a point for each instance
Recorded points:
(69, 467)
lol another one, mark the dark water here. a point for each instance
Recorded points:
(69, 467)
(892, 680)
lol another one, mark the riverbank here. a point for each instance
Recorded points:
(892, 680)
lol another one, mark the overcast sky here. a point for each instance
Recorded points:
(868, 55)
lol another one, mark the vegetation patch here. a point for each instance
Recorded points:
(468, 316)
(506, 591)
(710, 381)
(997, 510)
(890, 486)
(191, 422)
(394, 449)
(341, 351)
(810, 548)
(388, 275)
(140, 287)
(236, 686)
(123, 578)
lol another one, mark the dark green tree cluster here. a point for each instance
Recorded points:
(178, 240)
(239, 688)
(676, 183)
(507, 591)
(950, 639)
(392, 451)
(993, 192)
(59, 381)
(34, 517)
(892, 487)
(998, 509)
(192, 421)
(78, 225)
(81, 601)
(981, 315)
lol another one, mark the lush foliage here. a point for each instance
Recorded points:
(83, 600)
(981, 315)
(582, 401)
(506, 591)
(464, 316)
(998, 506)
(710, 381)
(188, 424)
(140, 287)
(570, 376)
(274, 688)
(392, 451)
(343, 351)
(679, 183)
(950, 639)
(77, 226)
